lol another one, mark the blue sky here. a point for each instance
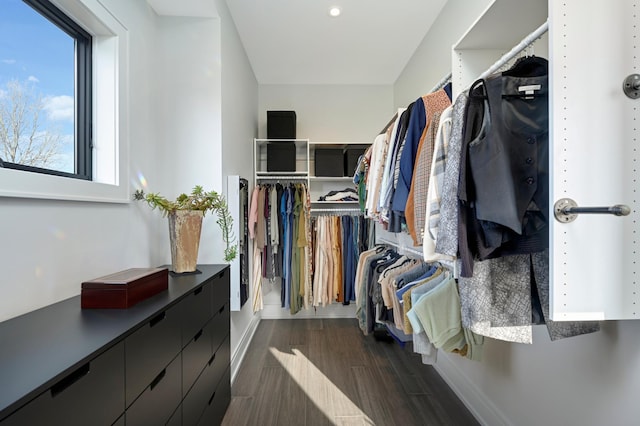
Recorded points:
(35, 52)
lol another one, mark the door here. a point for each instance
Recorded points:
(595, 143)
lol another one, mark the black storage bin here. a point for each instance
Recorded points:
(351, 156)
(281, 124)
(281, 157)
(329, 162)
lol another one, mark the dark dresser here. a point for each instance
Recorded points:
(162, 361)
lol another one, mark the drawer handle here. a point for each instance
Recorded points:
(221, 275)
(158, 379)
(63, 384)
(211, 399)
(197, 291)
(155, 320)
(198, 335)
(211, 360)
(221, 309)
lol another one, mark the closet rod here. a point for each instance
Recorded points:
(443, 82)
(526, 42)
(401, 248)
(283, 177)
(354, 210)
(393, 120)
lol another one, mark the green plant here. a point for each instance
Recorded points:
(197, 200)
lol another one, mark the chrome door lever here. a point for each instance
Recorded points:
(566, 210)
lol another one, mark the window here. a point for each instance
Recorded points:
(45, 90)
(106, 159)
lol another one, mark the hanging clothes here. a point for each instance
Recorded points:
(478, 203)
(415, 206)
(314, 259)
(337, 245)
(413, 298)
(435, 191)
(257, 253)
(243, 241)
(503, 204)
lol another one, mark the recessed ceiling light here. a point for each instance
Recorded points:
(335, 11)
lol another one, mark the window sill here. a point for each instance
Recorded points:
(19, 184)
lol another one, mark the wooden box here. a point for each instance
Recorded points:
(123, 289)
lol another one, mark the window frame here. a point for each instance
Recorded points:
(110, 118)
(83, 95)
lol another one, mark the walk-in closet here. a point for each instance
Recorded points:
(432, 212)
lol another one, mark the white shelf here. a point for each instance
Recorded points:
(514, 18)
(268, 174)
(338, 144)
(305, 164)
(260, 147)
(282, 140)
(332, 178)
(335, 202)
(481, 46)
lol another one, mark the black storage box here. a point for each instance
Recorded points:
(281, 157)
(281, 124)
(329, 162)
(351, 156)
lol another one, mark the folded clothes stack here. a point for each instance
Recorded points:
(347, 194)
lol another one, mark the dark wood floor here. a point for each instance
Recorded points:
(325, 372)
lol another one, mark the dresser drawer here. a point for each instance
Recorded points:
(149, 349)
(159, 400)
(218, 402)
(176, 417)
(197, 399)
(196, 311)
(120, 421)
(219, 326)
(92, 394)
(220, 290)
(195, 356)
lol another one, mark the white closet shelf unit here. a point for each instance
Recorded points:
(305, 171)
(482, 46)
(482, 51)
(260, 161)
(331, 178)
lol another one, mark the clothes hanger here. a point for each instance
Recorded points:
(528, 66)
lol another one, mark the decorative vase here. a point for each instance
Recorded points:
(184, 236)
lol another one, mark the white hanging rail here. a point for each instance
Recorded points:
(353, 210)
(393, 120)
(443, 82)
(526, 42)
(401, 248)
(281, 177)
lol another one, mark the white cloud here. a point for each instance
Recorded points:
(33, 79)
(9, 61)
(59, 108)
(65, 159)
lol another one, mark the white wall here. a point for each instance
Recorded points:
(189, 116)
(330, 113)
(586, 380)
(239, 127)
(50, 247)
(432, 59)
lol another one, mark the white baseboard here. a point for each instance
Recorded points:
(334, 310)
(473, 398)
(241, 350)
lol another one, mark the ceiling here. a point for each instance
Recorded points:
(297, 42)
